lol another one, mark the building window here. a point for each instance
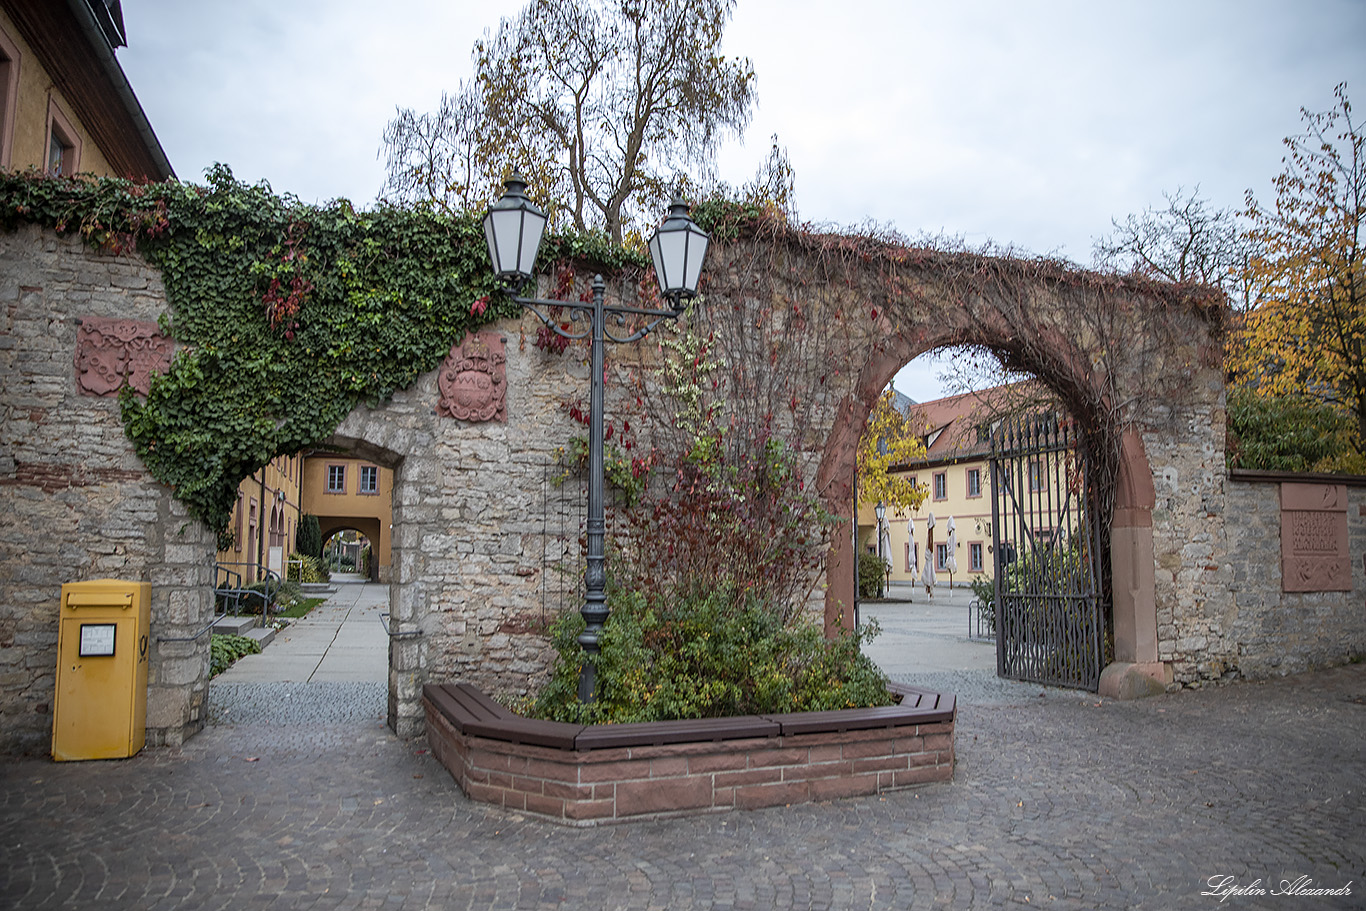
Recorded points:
(369, 479)
(63, 143)
(941, 558)
(1037, 479)
(941, 485)
(336, 479)
(975, 556)
(974, 482)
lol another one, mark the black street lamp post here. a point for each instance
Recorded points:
(513, 228)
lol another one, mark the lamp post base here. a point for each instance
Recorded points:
(588, 680)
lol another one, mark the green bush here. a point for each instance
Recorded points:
(224, 650)
(984, 591)
(309, 538)
(704, 657)
(265, 592)
(1279, 433)
(871, 574)
(303, 568)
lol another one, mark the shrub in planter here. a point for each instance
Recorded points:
(709, 654)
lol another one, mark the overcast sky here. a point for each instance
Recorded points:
(1025, 124)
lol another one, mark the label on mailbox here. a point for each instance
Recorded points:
(97, 639)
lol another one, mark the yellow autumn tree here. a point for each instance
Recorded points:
(1306, 337)
(889, 439)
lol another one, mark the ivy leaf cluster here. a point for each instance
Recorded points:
(375, 299)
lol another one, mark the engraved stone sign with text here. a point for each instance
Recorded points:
(1314, 555)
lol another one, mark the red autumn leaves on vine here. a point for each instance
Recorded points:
(288, 289)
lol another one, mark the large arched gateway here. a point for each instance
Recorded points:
(807, 330)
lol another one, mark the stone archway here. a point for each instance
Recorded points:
(836, 476)
(1034, 336)
(467, 498)
(1131, 541)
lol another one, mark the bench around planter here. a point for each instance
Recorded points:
(592, 774)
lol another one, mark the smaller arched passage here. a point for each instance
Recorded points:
(1131, 553)
(367, 527)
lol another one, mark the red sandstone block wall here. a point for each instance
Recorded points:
(626, 783)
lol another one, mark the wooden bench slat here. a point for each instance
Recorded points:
(478, 697)
(886, 716)
(477, 709)
(446, 704)
(658, 733)
(555, 734)
(474, 712)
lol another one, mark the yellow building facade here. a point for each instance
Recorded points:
(265, 519)
(956, 475)
(352, 494)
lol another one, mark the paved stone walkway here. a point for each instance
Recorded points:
(341, 640)
(1061, 802)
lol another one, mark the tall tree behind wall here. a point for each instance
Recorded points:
(1307, 336)
(1183, 241)
(602, 105)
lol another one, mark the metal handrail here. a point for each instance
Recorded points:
(233, 594)
(405, 634)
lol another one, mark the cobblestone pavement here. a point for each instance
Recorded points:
(1064, 802)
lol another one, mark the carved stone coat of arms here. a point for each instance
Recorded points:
(473, 379)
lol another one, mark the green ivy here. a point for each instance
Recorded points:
(288, 315)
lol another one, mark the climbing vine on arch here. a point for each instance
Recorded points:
(287, 314)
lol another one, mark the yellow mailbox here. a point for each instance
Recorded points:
(101, 707)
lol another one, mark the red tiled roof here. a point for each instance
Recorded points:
(951, 425)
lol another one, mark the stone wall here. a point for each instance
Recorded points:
(473, 547)
(78, 504)
(1221, 610)
(1264, 630)
(469, 542)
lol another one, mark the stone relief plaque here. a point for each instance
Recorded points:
(111, 352)
(1314, 556)
(472, 381)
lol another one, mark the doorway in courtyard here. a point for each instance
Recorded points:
(1050, 554)
(349, 552)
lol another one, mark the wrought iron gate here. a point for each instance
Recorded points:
(1047, 548)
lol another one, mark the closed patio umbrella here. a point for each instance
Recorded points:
(951, 562)
(914, 555)
(928, 575)
(886, 546)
